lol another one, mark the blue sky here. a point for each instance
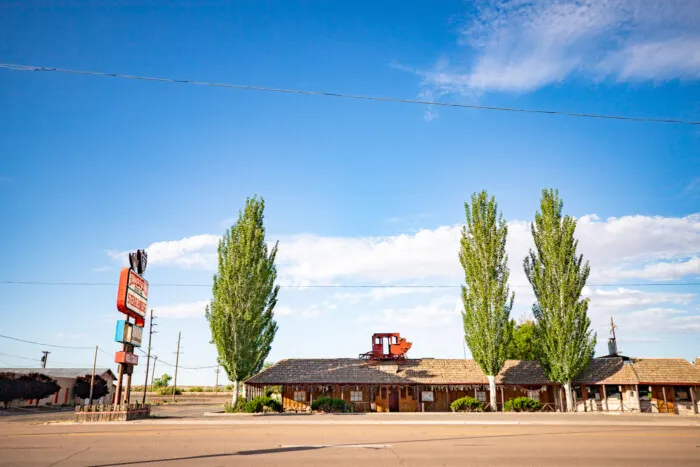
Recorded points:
(357, 192)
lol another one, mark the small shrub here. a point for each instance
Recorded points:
(257, 405)
(522, 404)
(168, 391)
(466, 404)
(196, 389)
(330, 404)
(230, 408)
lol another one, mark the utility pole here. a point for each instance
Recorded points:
(177, 361)
(44, 358)
(216, 387)
(92, 380)
(153, 374)
(148, 358)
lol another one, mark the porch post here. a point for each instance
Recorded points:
(584, 397)
(503, 400)
(622, 400)
(447, 396)
(692, 399)
(605, 398)
(663, 390)
(639, 400)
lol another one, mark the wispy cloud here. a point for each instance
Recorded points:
(198, 251)
(181, 310)
(520, 46)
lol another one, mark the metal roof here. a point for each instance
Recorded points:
(59, 372)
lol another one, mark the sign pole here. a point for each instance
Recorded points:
(120, 377)
(92, 380)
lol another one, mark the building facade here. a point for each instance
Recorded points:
(65, 377)
(431, 385)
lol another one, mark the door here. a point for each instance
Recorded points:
(657, 392)
(394, 400)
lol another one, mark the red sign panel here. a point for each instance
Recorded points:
(132, 295)
(126, 357)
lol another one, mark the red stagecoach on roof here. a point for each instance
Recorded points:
(387, 346)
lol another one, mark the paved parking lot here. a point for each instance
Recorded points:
(209, 443)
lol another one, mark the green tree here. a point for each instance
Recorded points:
(523, 342)
(486, 296)
(163, 381)
(244, 296)
(558, 275)
(81, 388)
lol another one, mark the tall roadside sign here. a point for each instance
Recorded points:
(132, 300)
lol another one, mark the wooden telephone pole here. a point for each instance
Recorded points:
(148, 357)
(177, 361)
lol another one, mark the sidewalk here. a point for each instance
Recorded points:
(540, 419)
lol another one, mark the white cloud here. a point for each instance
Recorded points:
(625, 298)
(645, 248)
(648, 247)
(312, 259)
(198, 251)
(439, 312)
(181, 310)
(518, 46)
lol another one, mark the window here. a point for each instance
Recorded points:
(355, 396)
(534, 395)
(383, 393)
(682, 393)
(645, 393)
(300, 396)
(593, 392)
(612, 391)
(578, 392)
(481, 396)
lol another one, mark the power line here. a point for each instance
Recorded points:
(180, 366)
(345, 286)
(17, 67)
(18, 356)
(45, 345)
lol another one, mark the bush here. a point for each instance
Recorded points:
(163, 381)
(522, 404)
(196, 389)
(230, 408)
(330, 404)
(260, 404)
(81, 388)
(168, 391)
(466, 404)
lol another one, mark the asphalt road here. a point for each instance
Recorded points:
(344, 445)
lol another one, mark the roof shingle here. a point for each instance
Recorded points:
(429, 371)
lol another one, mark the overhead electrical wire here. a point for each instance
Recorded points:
(46, 345)
(179, 366)
(345, 286)
(18, 67)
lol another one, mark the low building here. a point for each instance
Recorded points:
(660, 385)
(65, 377)
(611, 384)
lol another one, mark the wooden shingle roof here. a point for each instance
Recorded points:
(413, 371)
(666, 370)
(434, 371)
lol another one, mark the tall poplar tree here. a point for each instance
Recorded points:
(486, 296)
(557, 274)
(244, 296)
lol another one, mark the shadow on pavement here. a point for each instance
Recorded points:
(279, 450)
